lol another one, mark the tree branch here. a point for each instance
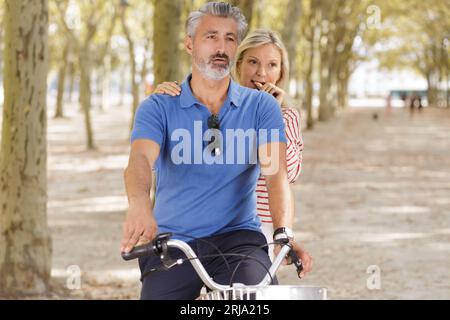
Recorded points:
(69, 32)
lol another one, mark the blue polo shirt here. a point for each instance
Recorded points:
(199, 193)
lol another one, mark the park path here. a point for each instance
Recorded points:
(374, 193)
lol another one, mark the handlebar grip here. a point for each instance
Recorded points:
(139, 251)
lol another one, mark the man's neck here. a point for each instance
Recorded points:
(211, 93)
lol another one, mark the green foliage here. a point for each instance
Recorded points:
(400, 34)
(417, 40)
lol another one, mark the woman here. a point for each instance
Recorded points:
(262, 64)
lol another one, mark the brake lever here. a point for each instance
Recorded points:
(166, 260)
(297, 262)
(160, 243)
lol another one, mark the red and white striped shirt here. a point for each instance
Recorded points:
(292, 121)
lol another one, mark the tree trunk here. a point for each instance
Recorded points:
(98, 76)
(447, 84)
(185, 57)
(106, 81)
(429, 90)
(299, 92)
(324, 42)
(83, 50)
(144, 69)
(136, 100)
(1, 49)
(310, 33)
(122, 87)
(85, 96)
(71, 81)
(246, 7)
(25, 243)
(258, 13)
(324, 107)
(331, 35)
(59, 112)
(166, 26)
(432, 90)
(102, 60)
(343, 93)
(332, 93)
(342, 85)
(290, 36)
(309, 90)
(133, 67)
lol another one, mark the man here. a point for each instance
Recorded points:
(205, 182)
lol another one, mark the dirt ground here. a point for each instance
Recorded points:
(374, 194)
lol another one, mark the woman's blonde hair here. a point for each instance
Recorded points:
(258, 38)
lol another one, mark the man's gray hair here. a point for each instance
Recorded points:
(217, 9)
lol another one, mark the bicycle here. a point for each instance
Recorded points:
(234, 291)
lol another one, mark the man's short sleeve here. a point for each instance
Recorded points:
(149, 122)
(270, 121)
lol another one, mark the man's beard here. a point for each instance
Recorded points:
(211, 70)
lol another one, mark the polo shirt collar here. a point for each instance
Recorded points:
(233, 94)
(188, 100)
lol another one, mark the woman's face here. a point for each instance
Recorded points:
(260, 64)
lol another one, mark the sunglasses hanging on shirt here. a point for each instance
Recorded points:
(214, 141)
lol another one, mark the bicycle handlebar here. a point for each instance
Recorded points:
(154, 248)
(159, 246)
(140, 251)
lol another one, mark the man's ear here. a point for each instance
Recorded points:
(188, 44)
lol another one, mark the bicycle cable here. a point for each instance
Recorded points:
(242, 260)
(220, 253)
(236, 255)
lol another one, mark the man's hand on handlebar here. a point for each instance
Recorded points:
(140, 226)
(305, 257)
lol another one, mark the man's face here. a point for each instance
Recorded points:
(214, 46)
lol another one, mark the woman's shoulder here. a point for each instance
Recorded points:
(291, 113)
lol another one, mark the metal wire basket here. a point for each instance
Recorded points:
(278, 292)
